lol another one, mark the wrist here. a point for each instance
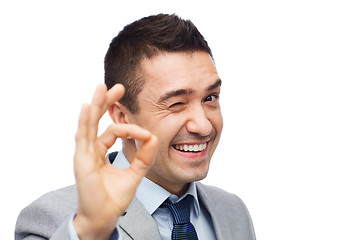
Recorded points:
(89, 230)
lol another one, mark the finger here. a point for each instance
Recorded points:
(114, 94)
(103, 98)
(81, 134)
(144, 158)
(96, 111)
(100, 103)
(81, 139)
(115, 131)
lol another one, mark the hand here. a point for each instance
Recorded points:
(105, 191)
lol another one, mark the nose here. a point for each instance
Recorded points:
(198, 122)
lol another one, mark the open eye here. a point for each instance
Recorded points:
(211, 98)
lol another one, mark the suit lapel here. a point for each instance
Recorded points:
(218, 218)
(138, 224)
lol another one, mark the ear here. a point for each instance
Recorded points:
(119, 113)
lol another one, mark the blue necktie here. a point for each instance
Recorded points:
(183, 228)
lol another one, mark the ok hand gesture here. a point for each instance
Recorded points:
(105, 191)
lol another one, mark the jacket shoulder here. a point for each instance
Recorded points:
(218, 194)
(230, 216)
(43, 216)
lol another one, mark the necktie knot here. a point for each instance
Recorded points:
(180, 210)
(182, 229)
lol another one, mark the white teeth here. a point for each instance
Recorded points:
(196, 148)
(191, 148)
(186, 148)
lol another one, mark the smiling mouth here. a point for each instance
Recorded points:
(195, 148)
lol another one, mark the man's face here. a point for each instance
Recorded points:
(180, 105)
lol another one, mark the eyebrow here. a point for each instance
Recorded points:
(170, 94)
(215, 85)
(186, 91)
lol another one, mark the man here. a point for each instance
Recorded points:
(162, 70)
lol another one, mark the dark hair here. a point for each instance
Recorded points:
(147, 37)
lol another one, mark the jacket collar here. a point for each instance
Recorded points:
(216, 216)
(138, 223)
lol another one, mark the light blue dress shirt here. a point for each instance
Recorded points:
(152, 196)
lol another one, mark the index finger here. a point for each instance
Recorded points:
(144, 158)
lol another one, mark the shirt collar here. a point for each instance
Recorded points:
(152, 195)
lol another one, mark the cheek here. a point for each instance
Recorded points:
(217, 121)
(167, 128)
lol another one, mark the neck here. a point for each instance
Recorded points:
(178, 189)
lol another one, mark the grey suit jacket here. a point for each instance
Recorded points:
(48, 217)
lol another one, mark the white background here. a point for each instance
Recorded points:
(290, 100)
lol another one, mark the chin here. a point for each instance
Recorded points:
(194, 175)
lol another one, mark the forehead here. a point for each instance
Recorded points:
(171, 71)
